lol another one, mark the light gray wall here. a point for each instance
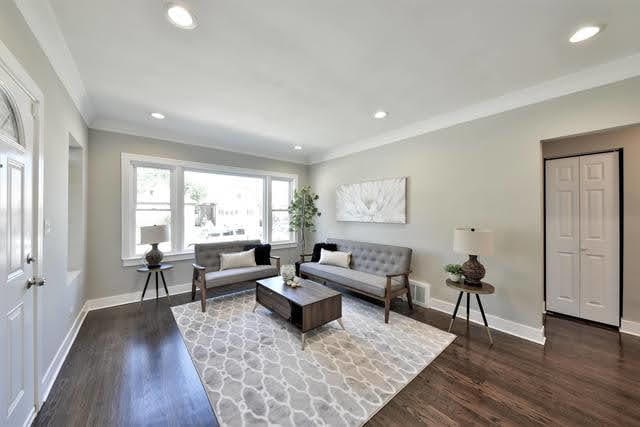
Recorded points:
(60, 301)
(107, 276)
(486, 173)
(628, 139)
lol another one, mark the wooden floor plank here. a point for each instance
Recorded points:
(129, 366)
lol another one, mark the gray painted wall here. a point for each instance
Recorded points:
(60, 301)
(627, 138)
(107, 276)
(486, 173)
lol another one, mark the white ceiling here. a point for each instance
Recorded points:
(263, 76)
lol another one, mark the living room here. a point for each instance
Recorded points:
(231, 213)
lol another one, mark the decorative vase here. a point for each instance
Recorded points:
(154, 256)
(454, 277)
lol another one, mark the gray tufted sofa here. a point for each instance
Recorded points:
(206, 269)
(378, 271)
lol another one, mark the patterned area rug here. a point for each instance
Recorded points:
(255, 372)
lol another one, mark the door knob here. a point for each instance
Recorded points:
(35, 281)
(30, 259)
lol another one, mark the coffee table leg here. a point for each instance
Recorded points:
(304, 337)
(341, 324)
(484, 319)
(455, 312)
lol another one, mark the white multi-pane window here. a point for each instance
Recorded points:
(281, 193)
(201, 203)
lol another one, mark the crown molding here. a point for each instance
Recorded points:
(42, 21)
(588, 78)
(127, 128)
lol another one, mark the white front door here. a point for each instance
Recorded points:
(600, 238)
(583, 237)
(17, 368)
(563, 235)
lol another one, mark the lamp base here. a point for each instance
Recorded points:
(473, 271)
(154, 256)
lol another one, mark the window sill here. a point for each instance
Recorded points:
(183, 256)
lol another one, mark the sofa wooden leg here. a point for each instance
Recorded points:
(387, 306)
(409, 298)
(203, 296)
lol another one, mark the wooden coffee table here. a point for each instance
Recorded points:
(307, 307)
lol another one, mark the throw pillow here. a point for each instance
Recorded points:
(263, 253)
(238, 260)
(315, 256)
(339, 259)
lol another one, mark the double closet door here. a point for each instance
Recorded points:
(583, 237)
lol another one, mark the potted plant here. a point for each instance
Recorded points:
(302, 213)
(454, 271)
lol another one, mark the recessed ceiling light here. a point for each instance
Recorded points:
(297, 147)
(180, 17)
(584, 33)
(158, 116)
(380, 114)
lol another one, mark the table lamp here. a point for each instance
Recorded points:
(473, 242)
(154, 235)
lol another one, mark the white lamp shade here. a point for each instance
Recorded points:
(154, 234)
(472, 241)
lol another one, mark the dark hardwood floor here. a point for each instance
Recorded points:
(129, 366)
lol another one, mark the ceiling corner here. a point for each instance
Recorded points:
(42, 21)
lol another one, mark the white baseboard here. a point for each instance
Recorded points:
(58, 360)
(630, 327)
(498, 323)
(98, 303)
(53, 370)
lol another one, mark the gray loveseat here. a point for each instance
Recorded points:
(206, 269)
(378, 271)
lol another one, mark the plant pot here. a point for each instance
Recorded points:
(454, 277)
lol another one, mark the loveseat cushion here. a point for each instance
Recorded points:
(315, 256)
(263, 253)
(359, 280)
(243, 274)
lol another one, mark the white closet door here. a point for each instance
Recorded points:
(563, 235)
(600, 238)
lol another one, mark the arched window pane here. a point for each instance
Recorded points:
(8, 121)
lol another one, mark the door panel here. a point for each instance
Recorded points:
(600, 239)
(582, 237)
(17, 367)
(563, 236)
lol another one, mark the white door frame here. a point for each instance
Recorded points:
(620, 152)
(12, 66)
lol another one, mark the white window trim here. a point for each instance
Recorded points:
(177, 167)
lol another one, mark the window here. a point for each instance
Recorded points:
(153, 203)
(201, 203)
(221, 207)
(8, 119)
(280, 197)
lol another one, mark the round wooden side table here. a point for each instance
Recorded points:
(483, 289)
(159, 271)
